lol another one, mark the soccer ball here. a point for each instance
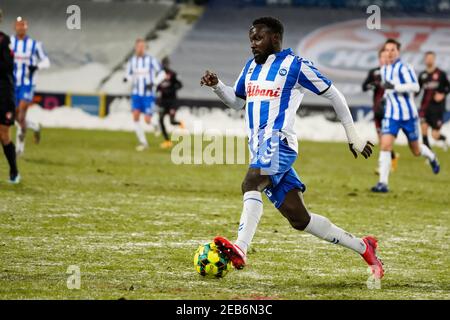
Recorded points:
(210, 262)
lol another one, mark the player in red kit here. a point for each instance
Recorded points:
(435, 85)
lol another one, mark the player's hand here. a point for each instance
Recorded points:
(210, 79)
(366, 151)
(388, 85)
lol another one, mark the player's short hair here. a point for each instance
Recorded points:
(393, 41)
(272, 23)
(140, 40)
(430, 52)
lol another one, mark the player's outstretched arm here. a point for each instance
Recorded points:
(129, 72)
(224, 92)
(44, 61)
(369, 83)
(160, 73)
(356, 144)
(158, 80)
(410, 82)
(445, 84)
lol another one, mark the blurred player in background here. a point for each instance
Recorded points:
(436, 86)
(373, 82)
(29, 56)
(270, 88)
(167, 100)
(145, 74)
(7, 105)
(400, 84)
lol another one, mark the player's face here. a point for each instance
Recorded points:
(261, 42)
(139, 48)
(392, 52)
(430, 59)
(21, 28)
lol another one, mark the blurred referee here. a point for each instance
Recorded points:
(7, 105)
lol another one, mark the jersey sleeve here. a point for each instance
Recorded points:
(159, 72)
(369, 82)
(129, 70)
(177, 84)
(42, 58)
(7, 55)
(156, 65)
(239, 85)
(310, 78)
(407, 74)
(444, 84)
(383, 74)
(421, 82)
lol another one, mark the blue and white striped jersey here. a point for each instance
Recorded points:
(27, 52)
(273, 92)
(399, 105)
(143, 71)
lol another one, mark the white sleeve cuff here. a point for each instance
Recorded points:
(407, 87)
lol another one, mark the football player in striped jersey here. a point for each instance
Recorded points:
(29, 56)
(400, 84)
(373, 83)
(145, 74)
(270, 88)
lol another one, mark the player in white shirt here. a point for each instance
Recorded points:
(29, 56)
(145, 74)
(270, 88)
(400, 84)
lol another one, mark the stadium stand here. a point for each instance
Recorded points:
(108, 31)
(162, 42)
(102, 37)
(219, 40)
(412, 6)
(208, 46)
